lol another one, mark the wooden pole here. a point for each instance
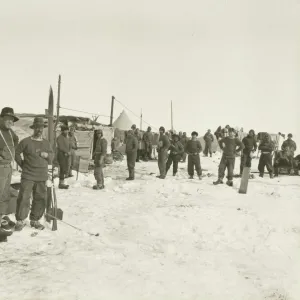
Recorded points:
(112, 110)
(141, 120)
(58, 102)
(172, 115)
(50, 118)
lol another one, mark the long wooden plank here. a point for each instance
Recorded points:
(244, 181)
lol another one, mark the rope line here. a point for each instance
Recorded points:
(94, 114)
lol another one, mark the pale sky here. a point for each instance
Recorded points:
(233, 62)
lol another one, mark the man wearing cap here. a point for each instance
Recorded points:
(131, 153)
(38, 154)
(162, 150)
(229, 146)
(148, 140)
(176, 150)
(99, 156)
(208, 139)
(63, 152)
(250, 147)
(193, 149)
(266, 147)
(8, 142)
(74, 147)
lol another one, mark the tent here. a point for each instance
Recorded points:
(123, 122)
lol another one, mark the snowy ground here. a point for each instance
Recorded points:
(162, 239)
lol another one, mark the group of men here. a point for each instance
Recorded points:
(33, 154)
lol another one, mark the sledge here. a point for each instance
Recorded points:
(244, 181)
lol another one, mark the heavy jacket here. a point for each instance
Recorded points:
(230, 149)
(163, 143)
(63, 144)
(132, 144)
(266, 146)
(193, 147)
(184, 140)
(249, 143)
(176, 148)
(12, 141)
(148, 137)
(100, 148)
(290, 144)
(208, 138)
(73, 141)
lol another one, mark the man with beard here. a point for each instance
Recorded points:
(99, 156)
(193, 149)
(131, 153)
(148, 140)
(8, 142)
(37, 155)
(176, 150)
(184, 139)
(266, 147)
(63, 154)
(229, 146)
(250, 147)
(208, 139)
(162, 150)
(74, 146)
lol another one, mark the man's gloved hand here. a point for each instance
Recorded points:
(66, 154)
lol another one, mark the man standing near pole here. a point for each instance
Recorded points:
(208, 138)
(8, 143)
(74, 147)
(38, 155)
(148, 140)
(162, 150)
(131, 153)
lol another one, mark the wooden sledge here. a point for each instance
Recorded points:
(244, 181)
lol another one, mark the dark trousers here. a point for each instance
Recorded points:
(5, 181)
(207, 148)
(162, 159)
(71, 161)
(63, 165)
(245, 161)
(287, 162)
(131, 159)
(173, 159)
(226, 162)
(265, 160)
(194, 163)
(148, 151)
(38, 190)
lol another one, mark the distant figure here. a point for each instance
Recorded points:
(229, 146)
(208, 139)
(148, 140)
(99, 159)
(162, 150)
(267, 147)
(176, 150)
(74, 147)
(131, 153)
(184, 139)
(138, 136)
(193, 149)
(38, 154)
(250, 147)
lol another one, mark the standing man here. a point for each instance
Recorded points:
(74, 146)
(162, 150)
(176, 150)
(289, 146)
(250, 147)
(266, 147)
(229, 146)
(63, 153)
(137, 134)
(208, 138)
(131, 153)
(184, 139)
(8, 143)
(99, 156)
(37, 155)
(193, 149)
(148, 140)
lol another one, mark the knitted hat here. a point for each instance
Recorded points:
(290, 135)
(162, 129)
(195, 133)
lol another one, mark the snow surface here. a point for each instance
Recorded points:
(162, 239)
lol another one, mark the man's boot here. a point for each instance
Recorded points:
(271, 175)
(229, 182)
(20, 225)
(62, 184)
(5, 229)
(37, 225)
(219, 181)
(11, 224)
(261, 175)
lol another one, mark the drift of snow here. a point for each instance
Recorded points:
(162, 239)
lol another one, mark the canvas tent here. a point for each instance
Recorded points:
(123, 122)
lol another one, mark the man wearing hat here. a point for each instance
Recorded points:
(250, 147)
(289, 147)
(131, 153)
(148, 140)
(176, 150)
(64, 148)
(99, 156)
(266, 147)
(193, 149)
(38, 154)
(228, 145)
(162, 150)
(8, 142)
(208, 139)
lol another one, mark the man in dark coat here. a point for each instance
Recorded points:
(38, 154)
(131, 153)
(208, 139)
(99, 156)
(193, 148)
(229, 146)
(148, 140)
(266, 147)
(184, 139)
(138, 136)
(250, 147)
(63, 152)
(8, 143)
(176, 150)
(162, 150)
(74, 147)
